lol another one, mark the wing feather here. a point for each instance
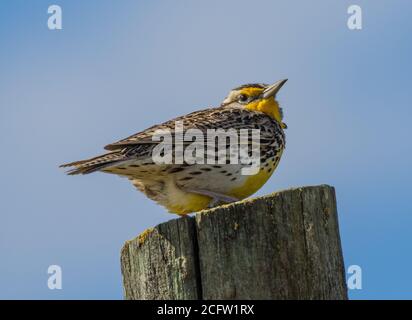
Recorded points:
(214, 118)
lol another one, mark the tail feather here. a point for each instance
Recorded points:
(94, 164)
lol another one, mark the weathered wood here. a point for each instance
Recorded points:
(161, 262)
(282, 246)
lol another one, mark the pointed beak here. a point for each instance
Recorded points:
(273, 89)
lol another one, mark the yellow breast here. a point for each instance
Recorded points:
(182, 203)
(255, 182)
(251, 185)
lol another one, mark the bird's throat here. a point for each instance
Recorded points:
(268, 106)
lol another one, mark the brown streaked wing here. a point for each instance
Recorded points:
(213, 118)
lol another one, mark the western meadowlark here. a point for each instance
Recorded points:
(188, 187)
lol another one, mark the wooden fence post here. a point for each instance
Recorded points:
(282, 246)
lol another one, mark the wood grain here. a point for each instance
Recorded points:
(282, 246)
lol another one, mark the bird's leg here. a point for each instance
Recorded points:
(217, 198)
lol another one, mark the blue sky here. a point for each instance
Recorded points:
(118, 67)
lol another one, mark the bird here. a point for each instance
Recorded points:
(184, 187)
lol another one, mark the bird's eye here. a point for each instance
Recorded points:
(243, 98)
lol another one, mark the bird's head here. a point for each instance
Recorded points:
(258, 97)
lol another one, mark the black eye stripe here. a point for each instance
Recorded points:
(242, 98)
